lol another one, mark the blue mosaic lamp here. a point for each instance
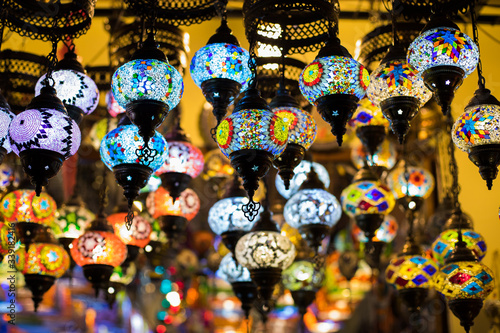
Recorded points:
(334, 82)
(443, 56)
(148, 87)
(121, 152)
(221, 70)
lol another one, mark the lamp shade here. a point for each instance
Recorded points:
(445, 243)
(227, 215)
(385, 233)
(301, 125)
(43, 259)
(25, 206)
(147, 79)
(367, 197)
(300, 175)
(368, 114)
(98, 247)
(221, 61)
(137, 235)
(420, 182)
(160, 203)
(302, 275)
(183, 157)
(411, 271)
(232, 272)
(72, 220)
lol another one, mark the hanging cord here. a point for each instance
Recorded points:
(52, 58)
(252, 61)
(151, 18)
(220, 8)
(284, 52)
(481, 80)
(395, 37)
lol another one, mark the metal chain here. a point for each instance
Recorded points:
(395, 37)
(475, 35)
(455, 186)
(52, 58)
(252, 63)
(220, 8)
(150, 18)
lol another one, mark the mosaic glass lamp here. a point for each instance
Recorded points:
(301, 133)
(173, 216)
(121, 151)
(6, 238)
(44, 136)
(416, 188)
(114, 109)
(29, 211)
(303, 279)
(443, 56)
(385, 156)
(74, 88)
(240, 280)
(252, 137)
(120, 278)
(445, 243)
(226, 217)
(221, 70)
(265, 253)
(148, 87)
(368, 201)
(465, 283)
(412, 275)
(334, 82)
(6, 116)
(398, 89)
(370, 125)
(476, 133)
(183, 163)
(99, 130)
(41, 263)
(299, 176)
(98, 251)
(9, 178)
(313, 211)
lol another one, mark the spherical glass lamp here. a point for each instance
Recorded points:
(114, 109)
(301, 133)
(29, 211)
(139, 233)
(385, 233)
(299, 176)
(148, 87)
(44, 136)
(417, 187)
(99, 130)
(252, 137)
(184, 162)
(367, 200)
(266, 253)
(173, 216)
(313, 211)
(217, 166)
(6, 116)
(303, 280)
(240, 280)
(385, 156)
(221, 70)
(398, 89)
(443, 56)
(98, 251)
(9, 178)
(465, 283)
(476, 133)
(334, 82)
(121, 151)
(74, 88)
(6, 238)
(41, 262)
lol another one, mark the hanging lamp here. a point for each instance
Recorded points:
(299, 176)
(334, 82)
(6, 116)
(443, 56)
(220, 68)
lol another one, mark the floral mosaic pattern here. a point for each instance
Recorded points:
(420, 182)
(25, 206)
(71, 221)
(98, 247)
(139, 233)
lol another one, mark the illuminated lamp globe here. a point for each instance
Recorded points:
(334, 82)
(114, 109)
(148, 87)
(29, 212)
(398, 89)
(6, 116)
(183, 163)
(252, 137)
(226, 217)
(385, 156)
(303, 280)
(154, 182)
(41, 263)
(221, 70)
(445, 243)
(465, 283)
(217, 167)
(301, 133)
(98, 251)
(6, 238)
(99, 130)
(240, 280)
(74, 87)
(415, 189)
(9, 178)
(121, 151)
(43, 137)
(265, 253)
(443, 56)
(299, 176)
(370, 125)
(173, 216)
(368, 201)
(476, 133)
(313, 211)
(120, 278)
